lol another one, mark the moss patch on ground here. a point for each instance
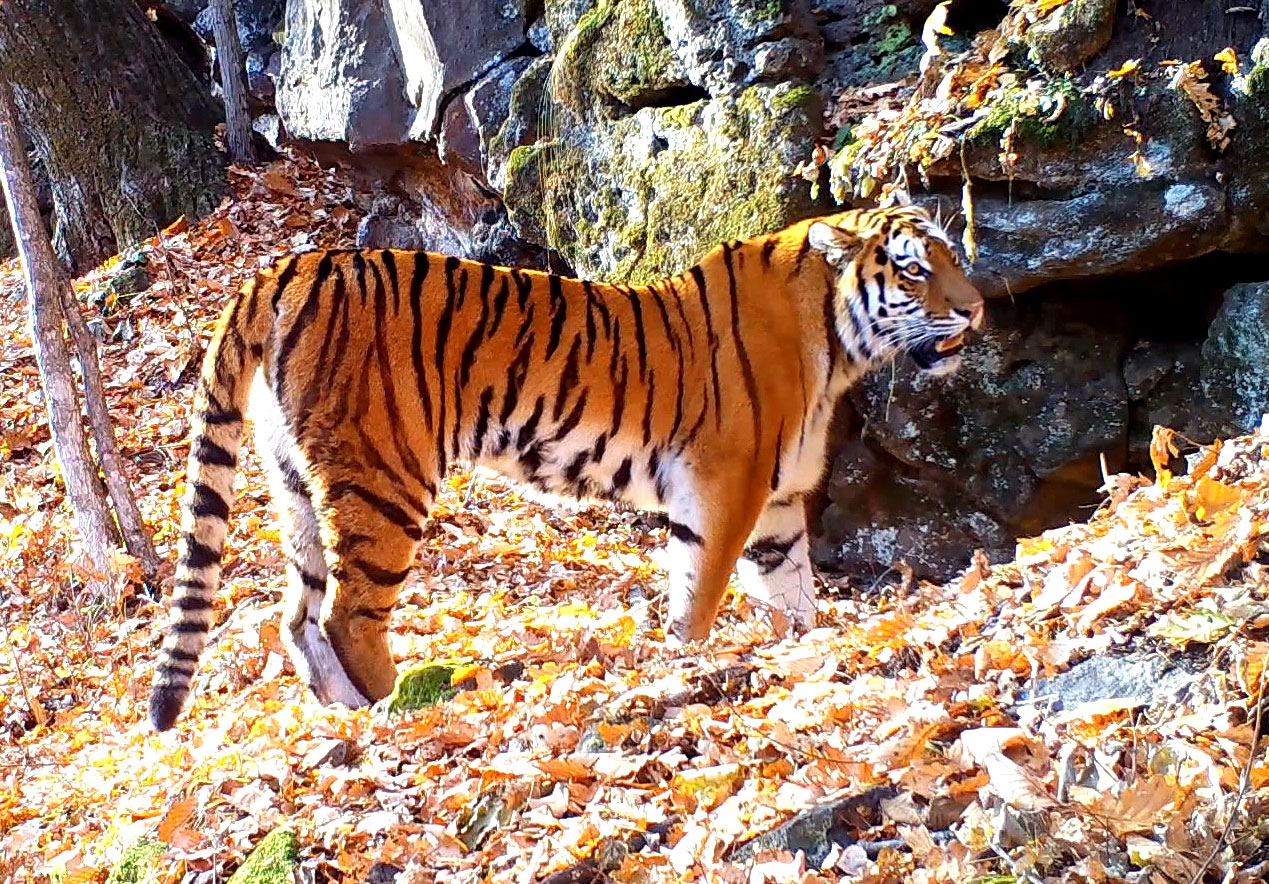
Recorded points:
(421, 687)
(273, 860)
(139, 863)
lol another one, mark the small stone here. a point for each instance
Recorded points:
(331, 751)
(383, 873)
(132, 278)
(540, 36)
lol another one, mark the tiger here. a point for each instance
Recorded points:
(706, 395)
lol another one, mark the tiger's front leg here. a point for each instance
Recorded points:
(775, 569)
(709, 521)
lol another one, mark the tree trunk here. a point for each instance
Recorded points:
(121, 124)
(39, 265)
(233, 81)
(135, 536)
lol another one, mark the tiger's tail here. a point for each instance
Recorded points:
(235, 352)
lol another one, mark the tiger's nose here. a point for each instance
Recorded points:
(974, 315)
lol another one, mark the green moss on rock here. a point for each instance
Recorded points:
(1258, 80)
(273, 861)
(139, 863)
(640, 197)
(421, 687)
(1062, 114)
(618, 51)
(884, 48)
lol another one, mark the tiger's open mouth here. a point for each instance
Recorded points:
(928, 354)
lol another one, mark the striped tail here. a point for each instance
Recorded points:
(235, 352)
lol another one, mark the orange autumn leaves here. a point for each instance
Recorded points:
(606, 745)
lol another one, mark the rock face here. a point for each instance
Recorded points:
(340, 77)
(1235, 364)
(441, 50)
(376, 74)
(868, 43)
(258, 21)
(943, 466)
(725, 45)
(657, 149)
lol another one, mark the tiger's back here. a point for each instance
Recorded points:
(707, 394)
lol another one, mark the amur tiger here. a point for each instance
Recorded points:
(707, 395)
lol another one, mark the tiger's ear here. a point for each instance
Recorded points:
(839, 247)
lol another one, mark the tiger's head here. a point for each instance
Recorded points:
(900, 286)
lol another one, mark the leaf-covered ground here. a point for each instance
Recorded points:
(576, 740)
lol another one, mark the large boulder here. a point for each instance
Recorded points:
(375, 74)
(1072, 207)
(340, 78)
(1235, 361)
(1071, 34)
(441, 48)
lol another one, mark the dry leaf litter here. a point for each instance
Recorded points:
(576, 740)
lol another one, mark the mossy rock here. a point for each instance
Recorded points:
(422, 686)
(139, 863)
(1072, 34)
(1061, 115)
(647, 195)
(617, 52)
(131, 277)
(1258, 82)
(273, 861)
(522, 124)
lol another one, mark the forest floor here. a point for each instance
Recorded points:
(576, 740)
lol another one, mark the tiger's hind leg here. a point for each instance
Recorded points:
(775, 569)
(311, 653)
(370, 541)
(315, 658)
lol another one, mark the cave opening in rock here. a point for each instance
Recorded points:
(1064, 377)
(670, 96)
(971, 16)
